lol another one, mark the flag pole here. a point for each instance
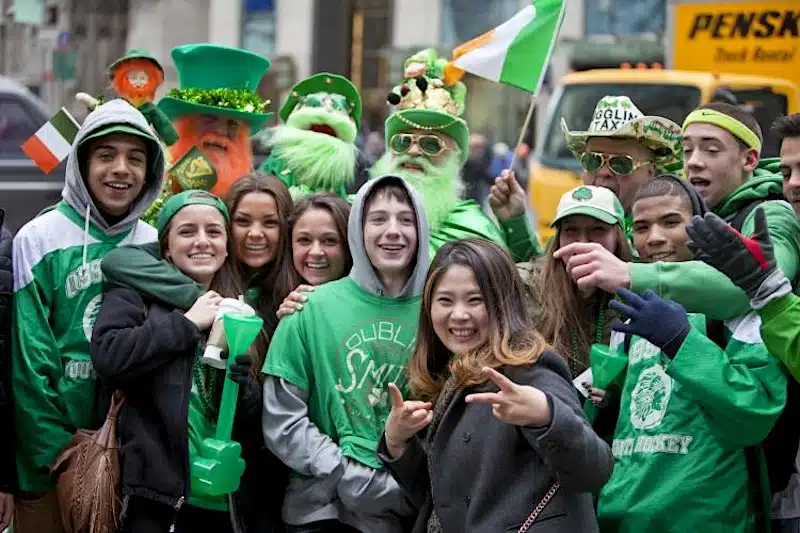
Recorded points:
(522, 133)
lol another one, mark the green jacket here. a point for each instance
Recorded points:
(57, 294)
(682, 429)
(780, 330)
(702, 289)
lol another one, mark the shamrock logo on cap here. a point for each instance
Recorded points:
(582, 194)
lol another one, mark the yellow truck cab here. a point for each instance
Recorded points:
(666, 93)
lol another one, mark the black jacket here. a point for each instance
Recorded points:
(8, 466)
(489, 475)
(147, 351)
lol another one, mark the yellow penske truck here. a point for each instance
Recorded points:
(743, 52)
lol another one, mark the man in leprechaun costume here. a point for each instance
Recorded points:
(215, 111)
(427, 145)
(314, 150)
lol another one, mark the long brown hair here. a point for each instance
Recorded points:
(278, 278)
(337, 207)
(513, 339)
(560, 305)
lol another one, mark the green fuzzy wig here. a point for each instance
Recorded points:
(440, 187)
(318, 161)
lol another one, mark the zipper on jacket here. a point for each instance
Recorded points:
(177, 508)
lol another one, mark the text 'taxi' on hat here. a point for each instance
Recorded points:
(618, 117)
(218, 80)
(423, 101)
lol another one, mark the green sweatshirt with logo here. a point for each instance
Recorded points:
(702, 289)
(683, 425)
(57, 294)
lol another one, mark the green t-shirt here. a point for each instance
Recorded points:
(203, 425)
(343, 349)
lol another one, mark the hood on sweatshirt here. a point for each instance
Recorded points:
(766, 183)
(363, 272)
(76, 190)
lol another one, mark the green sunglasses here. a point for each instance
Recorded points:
(621, 165)
(430, 145)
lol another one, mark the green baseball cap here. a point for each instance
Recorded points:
(181, 200)
(595, 202)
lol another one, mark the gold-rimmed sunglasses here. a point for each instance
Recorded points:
(430, 145)
(621, 165)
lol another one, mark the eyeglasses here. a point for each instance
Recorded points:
(430, 145)
(621, 165)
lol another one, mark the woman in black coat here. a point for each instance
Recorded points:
(152, 353)
(505, 431)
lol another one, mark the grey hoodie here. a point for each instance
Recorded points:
(363, 272)
(335, 487)
(76, 192)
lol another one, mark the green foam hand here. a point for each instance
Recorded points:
(219, 468)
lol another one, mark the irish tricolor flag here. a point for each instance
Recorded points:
(516, 52)
(52, 143)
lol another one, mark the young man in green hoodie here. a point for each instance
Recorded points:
(721, 146)
(328, 367)
(113, 174)
(686, 398)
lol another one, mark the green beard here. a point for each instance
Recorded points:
(318, 161)
(439, 187)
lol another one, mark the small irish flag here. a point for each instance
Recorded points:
(516, 52)
(52, 143)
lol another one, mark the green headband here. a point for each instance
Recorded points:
(726, 122)
(181, 200)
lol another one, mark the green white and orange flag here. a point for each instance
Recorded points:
(52, 143)
(516, 52)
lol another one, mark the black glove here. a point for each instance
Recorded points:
(748, 262)
(663, 323)
(250, 393)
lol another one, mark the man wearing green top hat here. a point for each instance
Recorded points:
(215, 111)
(427, 145)
(314, 150)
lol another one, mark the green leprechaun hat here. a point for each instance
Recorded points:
(424, 102)
(218, 80)
(325, 83)
(134, 53)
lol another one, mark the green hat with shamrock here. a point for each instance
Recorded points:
(424, 101)
(218, 80)
(331, 84)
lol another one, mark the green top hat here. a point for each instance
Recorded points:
(424, 102)
(133, 53)
(218, 80)
(324, 83)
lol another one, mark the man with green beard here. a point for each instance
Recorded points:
(314, 150)
(427, 145)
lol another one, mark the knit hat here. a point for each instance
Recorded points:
(183, 199)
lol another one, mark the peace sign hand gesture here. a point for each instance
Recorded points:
(405, 420)
(520, 405)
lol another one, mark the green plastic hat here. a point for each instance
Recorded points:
(181, 200)
(133, 53)
(433, 121)
(218, 80)
(324, 83)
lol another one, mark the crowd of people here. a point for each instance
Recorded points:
(421, 367)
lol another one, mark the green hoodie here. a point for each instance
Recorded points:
(702, 289)
(57, 294)
(780, 330)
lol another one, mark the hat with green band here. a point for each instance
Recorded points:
(596, 202)
(186, 198)
(726, 122)
(218, 80)
(426, 103)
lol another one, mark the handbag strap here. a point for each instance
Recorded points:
(540, 507)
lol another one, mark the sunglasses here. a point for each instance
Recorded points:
(430, 145)
(621, 165)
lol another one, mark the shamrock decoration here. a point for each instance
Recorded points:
(582, 194)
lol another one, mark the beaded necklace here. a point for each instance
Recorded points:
(205, 379)
(598, 337)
